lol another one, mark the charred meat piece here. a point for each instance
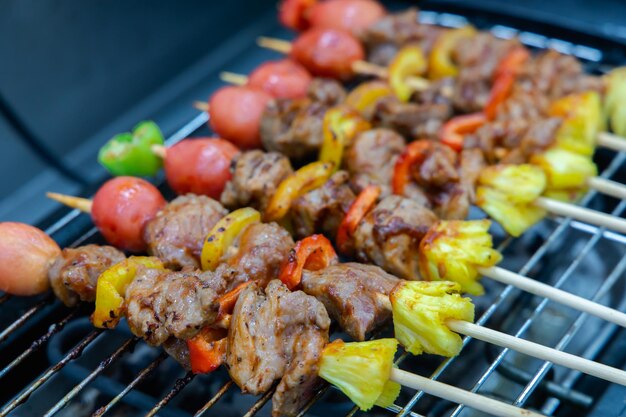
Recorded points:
(177, 233)
(293, 127)
(178, 350)
(277, 335)
(349, 291)
(323, 209)
(161, 304)
(472, 163)
(255, 177)
(383, 39)
(371, 157)
(257, 255)
(389, 235)
(411, 120)
(74, 273)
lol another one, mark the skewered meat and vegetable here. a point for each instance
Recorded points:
(74, 273)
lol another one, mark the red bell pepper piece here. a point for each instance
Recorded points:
(453, 130)
(228, 300)
(414, 153)
(207, 350)
(505, 75)
(313, 253)
(358, 209)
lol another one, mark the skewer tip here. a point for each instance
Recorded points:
(82, 204)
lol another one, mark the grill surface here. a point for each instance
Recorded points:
(70, 369)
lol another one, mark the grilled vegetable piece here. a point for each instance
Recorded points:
(281, 79)
(409, 62)
(121, 209)
(200, 166)
(111, 289)
(235, 114)
(361, 370)
(130, 153)
(566, 172)
(440, 61)
(453, 130)
(327, 52)
(582, 114)
(615, 101)
(341, 125)
(420, 310)
(307, 178)
(507, 194)
(359, 208)
(207, 350)
(223, 233)
(505, 75)
(313, 253)
(349, 15)
(294, 13)
(26, 254)
(453, 250)
(364, 96)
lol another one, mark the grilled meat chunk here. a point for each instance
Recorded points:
(161, 304)
(412, 120)
(350, 293)
(371, 157)
(255, 177)
(383, 39)
(389, 235)
(293, 127)
(277, 335)
(323, 209)
(178, 350)
(74, 273)
(257, 255)
(177, 233)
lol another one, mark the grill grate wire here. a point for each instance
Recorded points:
(536, 378)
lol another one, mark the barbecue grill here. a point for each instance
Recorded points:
(55, 363)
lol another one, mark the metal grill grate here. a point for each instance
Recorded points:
(534, 382)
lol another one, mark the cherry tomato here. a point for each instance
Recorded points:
(235, 114)
(293, 13)
(327, 52)
(122, 207)
(200, 166)
(26, 253)
(281, 79)
(349, 15)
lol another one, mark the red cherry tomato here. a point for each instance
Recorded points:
(200, 166)
(349, 15)
(235, 114)
(293, 13)
(327, 52)
(122, 207)
(26, 253)
(281, 79)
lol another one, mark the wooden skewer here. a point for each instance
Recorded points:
(529, 348)
(583, 214)
(608, 187)
(458, 395)
(201, 105)
(159, 150)
(82, 204)
(233, 78)
(611, 141)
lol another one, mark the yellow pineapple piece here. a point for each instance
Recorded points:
(582, 120)
(420, 311)
(615, 101)
(567, 172)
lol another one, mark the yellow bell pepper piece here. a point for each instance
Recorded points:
(440, 62)
(341, 125)
(365, 96)
(111, 287)
(223, 233)
(307, 178)
(582, 120)
(409, 62)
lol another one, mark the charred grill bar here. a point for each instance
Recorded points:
(587, 243)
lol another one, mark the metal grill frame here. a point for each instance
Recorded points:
(594, 235)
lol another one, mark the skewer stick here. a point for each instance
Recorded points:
(233, 78)
(608, 187)
(274, 44)
(611, 141)
(159, 150)
(458, 395)
(201, 105)
(554, 294)
(82, 204)
(538, 351)
(583, 214)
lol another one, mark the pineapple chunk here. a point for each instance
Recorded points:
(507, 193)
(361, 370)
(615, 101)
(391, 390)
(567, 172)
(420, 310)
(582, 120)
(453, 250)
